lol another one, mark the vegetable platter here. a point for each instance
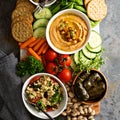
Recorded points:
(29, 30)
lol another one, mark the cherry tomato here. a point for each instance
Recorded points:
(34, 79)
(65, 75)
(50, 55)
(64, 60)
(52, 68)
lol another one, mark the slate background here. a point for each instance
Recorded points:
(110, 32)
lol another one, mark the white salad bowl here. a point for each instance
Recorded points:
(52, 21)
(40, 114)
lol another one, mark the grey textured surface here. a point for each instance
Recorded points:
(110, 32)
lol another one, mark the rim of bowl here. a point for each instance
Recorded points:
(77, 12)
(106, 86)
(46, 5)
(40, 114)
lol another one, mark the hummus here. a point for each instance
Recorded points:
(68, 32)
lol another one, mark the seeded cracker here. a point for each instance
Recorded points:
(97, 10)
(21, 31)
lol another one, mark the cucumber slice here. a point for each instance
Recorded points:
(88, 54)
(83, 59)
(76, 58)
(40, 23)
(73, 65)
(39, 32)
(94, 50)
(95, 39)
(44, 13)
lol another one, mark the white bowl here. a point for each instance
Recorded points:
(71, 11)
(50, 2)
(41, 115)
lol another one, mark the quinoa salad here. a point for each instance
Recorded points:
(45, 92)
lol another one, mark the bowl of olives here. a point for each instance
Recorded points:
(90, 86)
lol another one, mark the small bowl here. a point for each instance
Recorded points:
(100, 97)
(41, 115)
(50, 2)
(76, 22)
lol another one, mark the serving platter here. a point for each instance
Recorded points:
(95, 107)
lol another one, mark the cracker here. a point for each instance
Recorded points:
(22, 31)
(86, 2)
(22, 11)
(21, 18)
(26, 4)
(97, 10)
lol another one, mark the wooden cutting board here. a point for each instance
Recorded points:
(96, 107)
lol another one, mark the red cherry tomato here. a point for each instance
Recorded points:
(65, 75)
(34, 79)
(52, 68)
(50, 55)
(64, 60)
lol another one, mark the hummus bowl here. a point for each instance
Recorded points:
(68, 31)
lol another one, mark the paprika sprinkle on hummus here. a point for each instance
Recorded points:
(68, 32)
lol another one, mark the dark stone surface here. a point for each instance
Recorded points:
(110, 32)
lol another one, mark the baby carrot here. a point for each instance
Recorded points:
(20, 43)
(34, 43)
(33, 53)
(41, 42)
(27, 42)
(41, 48)
(46, 48)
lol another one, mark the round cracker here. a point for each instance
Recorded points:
(21, 18)
(26, 4)
(97, 10)
(86, 2)
(22, 11)
(22, 31)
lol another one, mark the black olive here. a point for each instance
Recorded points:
(46, 94)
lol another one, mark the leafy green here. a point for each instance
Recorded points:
(56, 98)
(96, 63)
(29, 66)
(41, 104)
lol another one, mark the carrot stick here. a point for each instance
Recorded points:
(46, 48)
(20, 43)
(41, 48)
(34, 43)
(26, 43)
(41, 42)
(33, 53)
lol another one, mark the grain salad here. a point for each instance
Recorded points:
(45, 92)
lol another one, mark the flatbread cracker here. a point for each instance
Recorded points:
(22, 31)
(97, 10)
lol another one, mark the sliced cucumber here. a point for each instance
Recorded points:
(95, 39)
(88, 54)
(39, 32)
(76, 58)
(40, 23)
(44, 13)
(83, 59)
(94, 50)
(73, 65)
